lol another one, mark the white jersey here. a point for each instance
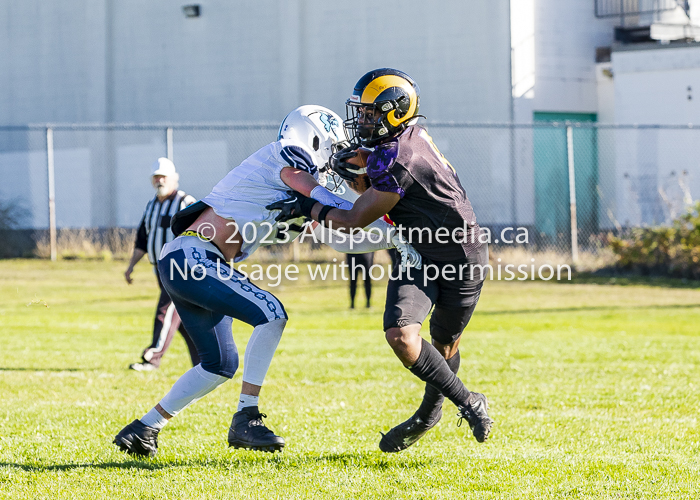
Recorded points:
(247, 189)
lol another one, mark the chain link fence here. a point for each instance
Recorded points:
(565, 184)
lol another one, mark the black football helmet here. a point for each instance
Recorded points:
(385, 101)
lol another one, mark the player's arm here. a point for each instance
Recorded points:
(304, 183)
(335, 212)
(351, 220)
(366, 211)
(298, 180)
(369, 207)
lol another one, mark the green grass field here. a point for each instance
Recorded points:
(593, 387)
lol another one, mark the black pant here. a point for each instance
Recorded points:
(452, 287)
(166, 322)
(359, 264)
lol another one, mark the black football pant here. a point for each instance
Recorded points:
(359, 264)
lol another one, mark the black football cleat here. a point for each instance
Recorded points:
(474, 412)
(138, 439)
(248, 431)
(406, 433)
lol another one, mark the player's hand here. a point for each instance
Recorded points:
(127, 275)
(409, 255)
(339, 163)
(297, 205)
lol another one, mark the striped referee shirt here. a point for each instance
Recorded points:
(154, 230)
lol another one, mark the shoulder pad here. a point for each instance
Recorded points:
(296, 155)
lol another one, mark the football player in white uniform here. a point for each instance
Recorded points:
(226, 227)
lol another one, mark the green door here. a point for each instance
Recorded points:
(552, 212)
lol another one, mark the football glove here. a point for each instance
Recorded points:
(339, 165)
(297, 205)
(409, 255)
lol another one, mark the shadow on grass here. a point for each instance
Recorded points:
(373, 460)
(550, 310)
(136, 464)
(363, 460)
(630, 280)
(26, 369)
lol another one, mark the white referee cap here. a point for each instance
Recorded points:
(163, 166)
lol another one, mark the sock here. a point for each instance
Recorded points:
(191, 386)
(247, 400)
(260, 349)
(154, 419)
(432, 368)
(432, 399)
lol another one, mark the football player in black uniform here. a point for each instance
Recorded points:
(416, 186)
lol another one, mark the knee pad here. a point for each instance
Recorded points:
(260, 350)
(191, 386)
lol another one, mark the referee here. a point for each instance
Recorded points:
(154, 232)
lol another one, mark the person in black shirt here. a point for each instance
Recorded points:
(413, 183)
(359, 264)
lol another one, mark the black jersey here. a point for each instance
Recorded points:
(431, 195)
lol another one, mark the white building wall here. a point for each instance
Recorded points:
(53, 61)
(132, 61)
(566, 36)
(522, 42)
(652, 85)
(657, 170)
(608, 201)
(127, 60)
(554, 70)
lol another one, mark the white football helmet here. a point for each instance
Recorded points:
(320, 129)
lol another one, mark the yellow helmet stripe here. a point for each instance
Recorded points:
(380, 84)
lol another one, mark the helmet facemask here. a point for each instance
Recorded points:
(369, 124)
(383, 104)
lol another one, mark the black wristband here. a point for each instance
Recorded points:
(324, 212)
(306, 205)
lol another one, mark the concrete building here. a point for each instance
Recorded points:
(129, 61)
(106, 61)
(531, 62)
(623, 63)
